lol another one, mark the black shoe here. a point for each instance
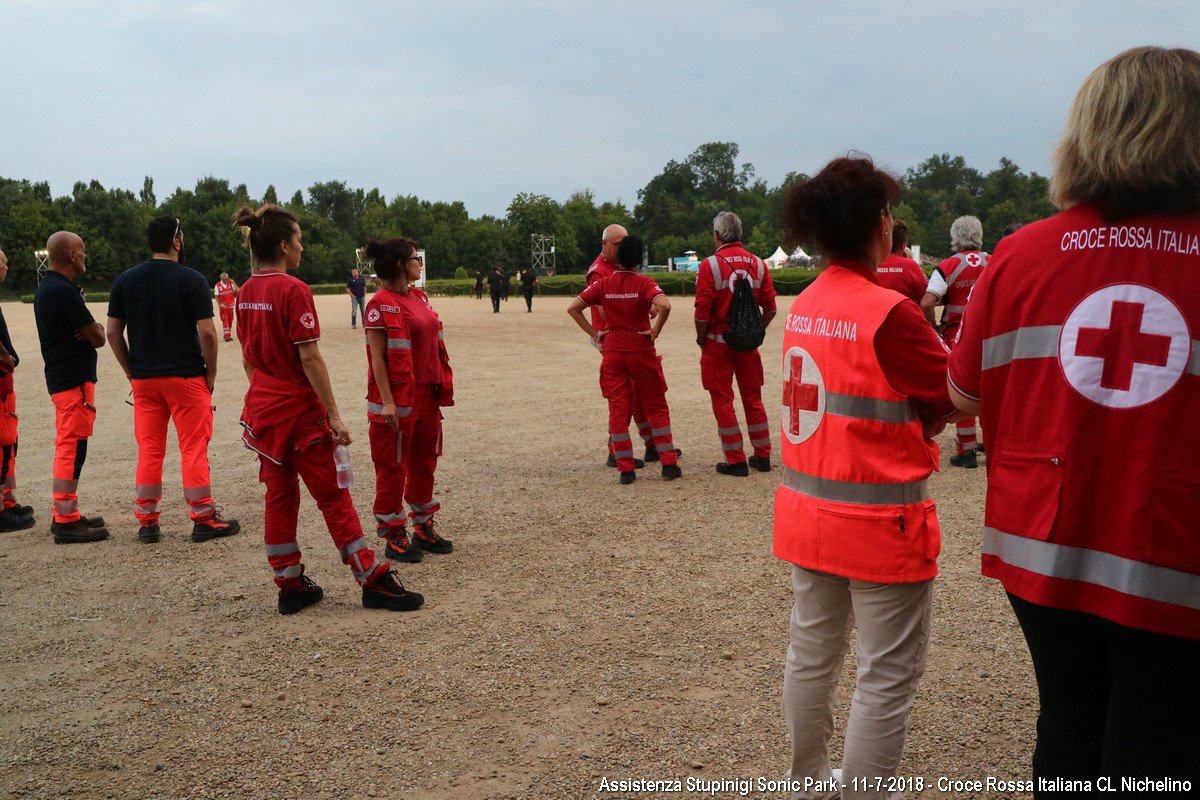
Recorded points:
(430, 540)
(149, 534)
(302, 596)
(91, 522)
(978, 449)
(612, 462)
(387, 592)
(20, 510)
(10, 520)
(967, 460)
(401, 547)
(78, 532)
(739, 470)
(671, 472)
(652, 454)
(762, 464)
(628, 477)
(215, 528)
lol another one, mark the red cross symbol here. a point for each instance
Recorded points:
(797, 395)
(1122, 344)
(974, 260)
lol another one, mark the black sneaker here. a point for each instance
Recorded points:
(387, 592)
(215, 528)
(652, 454)
(401, 547)
(612, 462)
(760, 463)
(628, 477)
(149, 534)
(967, 460)
(671, 472)
(10, 520)
(740, 470)
(303, 595)
(430, 540)
(20, 510)
(77, 532)
(91, 522)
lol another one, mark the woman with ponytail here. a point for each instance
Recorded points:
(291, 418)
(408, 380)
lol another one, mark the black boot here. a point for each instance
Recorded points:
(304, 594)
(740, 470)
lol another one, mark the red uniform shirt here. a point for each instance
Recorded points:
(226, 290)
(902, 275)
(384, 314)
(600, 268)
(425, 328)
(626, 298)
(275, 313)
(713, 301)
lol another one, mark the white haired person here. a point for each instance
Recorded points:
(950, 285)
(1080, 350)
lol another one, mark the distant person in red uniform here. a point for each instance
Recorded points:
(950, 285)
(226, 293)
(898, 272)
(408, 380)
(630, 370)
(14, 516)
(1080, 349)
(720, 364)
(291, 419)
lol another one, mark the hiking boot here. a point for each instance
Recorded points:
(301, 595)
(401, 547)
(387, 592)
(628, 477)
(966, 460)
(10, 520)
(671, 472)
(652, 454)
(20, 510)
(91, 522)
(430, 540)
(149, 534)
(214, 528)
(740, 469)
(760, 463)
(77, 532)
(612, 462)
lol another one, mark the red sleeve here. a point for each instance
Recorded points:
(650, 290)
(302, 322)
(766, 292)
(593, 294)
(914, 357)
(373, 318)
(966, 363)
(706, 294)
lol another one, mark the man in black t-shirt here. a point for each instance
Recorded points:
(69, 337)
(14, 516)
(356, 287)
(495, 288)
(529, 280)
(171, 361)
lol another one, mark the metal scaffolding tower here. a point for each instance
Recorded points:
(542, 255)
(42, 260)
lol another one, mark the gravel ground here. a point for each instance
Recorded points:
(580, 630)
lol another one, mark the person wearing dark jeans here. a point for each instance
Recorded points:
(495, 288)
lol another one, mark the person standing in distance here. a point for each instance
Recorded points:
(14, 516)
(356, 287)
(720, 363)
(950, 285)
(478, 285)
(898, 272)
(171, 362)
(226, 293)
(495, 288)
(291, 419)
(69, 337)
(529, 281)
(1080, 349)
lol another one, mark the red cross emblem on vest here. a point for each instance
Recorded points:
(797, 395)
(803, 395)
(973, 259)
(1124, 346)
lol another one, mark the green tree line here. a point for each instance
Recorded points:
(673, 213)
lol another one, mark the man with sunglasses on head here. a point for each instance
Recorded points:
(171, 361)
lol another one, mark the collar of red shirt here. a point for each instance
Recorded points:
(730, 244)
(867, 272)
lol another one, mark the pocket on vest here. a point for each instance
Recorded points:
(883, 541)
(1173, 541)
(1023, 493)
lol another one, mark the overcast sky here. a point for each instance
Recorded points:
(477, 101)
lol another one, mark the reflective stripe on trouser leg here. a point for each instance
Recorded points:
(279, 520)
(315, 466)
(8, 473)
(146, 503)
(965, 435)
(201, 505)
(66, 500)
(760, 438)
(729, 433)
(359, 556)
(748, 372)
(390, 476)
(422, 446)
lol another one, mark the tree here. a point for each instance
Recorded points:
(269, 195)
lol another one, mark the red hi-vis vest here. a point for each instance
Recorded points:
(226, 292)
(854, 500)
(961, 271)
(383, 313)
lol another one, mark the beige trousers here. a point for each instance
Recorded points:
(893, 637)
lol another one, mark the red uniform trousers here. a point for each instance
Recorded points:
(188, 403)
(8, 448)
(420, 447)
(226, 320)
(966, 435)
(720, 364)
(391, 474)
(636, 378)
(74, 419)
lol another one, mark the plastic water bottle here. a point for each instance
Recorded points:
(341, 460)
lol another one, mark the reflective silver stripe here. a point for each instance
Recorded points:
(718, 283)
(147, 506)
(441, 336)
(294, 571)
(421, 519)
(869, 494)
(641, 426)
(64, 486)
(761, 442)
(377, 408)
(146, 492)
(65, 507)
(731, 445)
(621, 437)
(399, 344)
(953, 309)
(1037, 341)
(287, 548)
(1123, 575)
(665, 448)
(716, 337)
(759, 427)
(729, 431)
(424, 506)
(352, 547)
(387, 518)
(962, 265)
(661, 431)
(1193, 366)
(870, 408)
(196, 493)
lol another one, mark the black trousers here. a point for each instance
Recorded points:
(1115, 701)
(495, 302)
(478, 292)
(529, 301)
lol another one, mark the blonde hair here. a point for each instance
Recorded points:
(1132, 142)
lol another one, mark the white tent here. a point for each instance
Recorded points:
(776, 259)
(799, 253)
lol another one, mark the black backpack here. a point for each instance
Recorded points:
(746, 331)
